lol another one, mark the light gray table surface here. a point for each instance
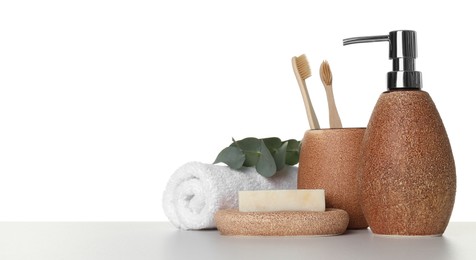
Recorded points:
(160, 240)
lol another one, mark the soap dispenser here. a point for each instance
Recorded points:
(407, 175)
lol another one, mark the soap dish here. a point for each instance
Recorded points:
(232, 222)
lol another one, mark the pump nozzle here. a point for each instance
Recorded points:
(402, 52)
(364, 39)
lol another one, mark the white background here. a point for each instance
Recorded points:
(100, 101)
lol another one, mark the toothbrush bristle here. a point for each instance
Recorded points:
(303, 67)
(326, 74)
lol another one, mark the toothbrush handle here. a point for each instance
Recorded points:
(334, 118)
(311, 115)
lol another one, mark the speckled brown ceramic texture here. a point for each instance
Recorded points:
(329, 160)
(232, 222)
(408, 173)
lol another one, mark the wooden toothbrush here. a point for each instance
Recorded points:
(326, 78)
(303, 71)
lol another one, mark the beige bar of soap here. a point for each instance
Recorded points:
(281, 200)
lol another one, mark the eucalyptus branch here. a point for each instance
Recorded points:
(268, 155)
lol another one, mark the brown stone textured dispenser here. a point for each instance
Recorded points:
(407, 175)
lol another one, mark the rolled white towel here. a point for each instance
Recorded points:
(196, 191)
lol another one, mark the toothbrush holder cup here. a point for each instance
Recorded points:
(330, 160)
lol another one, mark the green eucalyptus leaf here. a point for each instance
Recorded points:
(268, 155)
(234, 142)
(265, 165)
(251, 148)
(231, 156)
(273, 144)
(292, 152)
(249, 144)
(280, 156)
